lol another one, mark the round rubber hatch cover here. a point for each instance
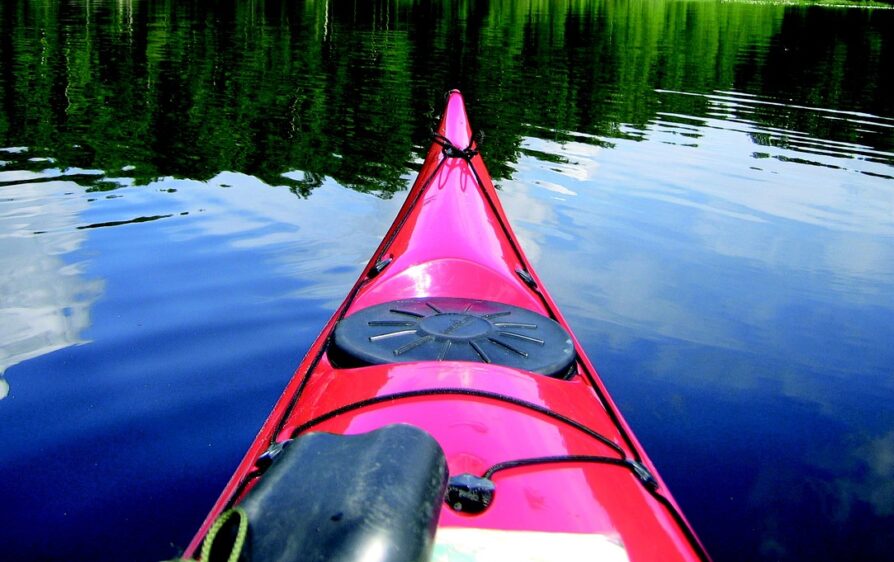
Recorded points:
(451, 329)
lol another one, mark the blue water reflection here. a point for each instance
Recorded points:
(201, 318)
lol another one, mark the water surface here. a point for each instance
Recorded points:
(188, 190)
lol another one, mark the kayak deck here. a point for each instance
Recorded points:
(561, 457)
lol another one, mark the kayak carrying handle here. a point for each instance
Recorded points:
(450, 150)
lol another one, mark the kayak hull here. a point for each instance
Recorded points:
(451, 239)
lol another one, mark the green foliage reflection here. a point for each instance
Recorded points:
(349, 89)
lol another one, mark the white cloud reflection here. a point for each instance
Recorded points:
(44, 300)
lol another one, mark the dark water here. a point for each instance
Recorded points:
(188, 189)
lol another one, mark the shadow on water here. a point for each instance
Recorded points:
(706, 186)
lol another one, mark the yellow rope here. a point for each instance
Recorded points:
(238, 542)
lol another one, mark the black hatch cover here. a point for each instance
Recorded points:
(452, 329)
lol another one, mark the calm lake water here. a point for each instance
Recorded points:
(188, 189)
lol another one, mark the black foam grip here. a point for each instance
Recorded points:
(340, 497)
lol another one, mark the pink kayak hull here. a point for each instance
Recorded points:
(452, 239)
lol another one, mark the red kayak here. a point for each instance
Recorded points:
(446, 411)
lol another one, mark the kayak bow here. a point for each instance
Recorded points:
(450, 330)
